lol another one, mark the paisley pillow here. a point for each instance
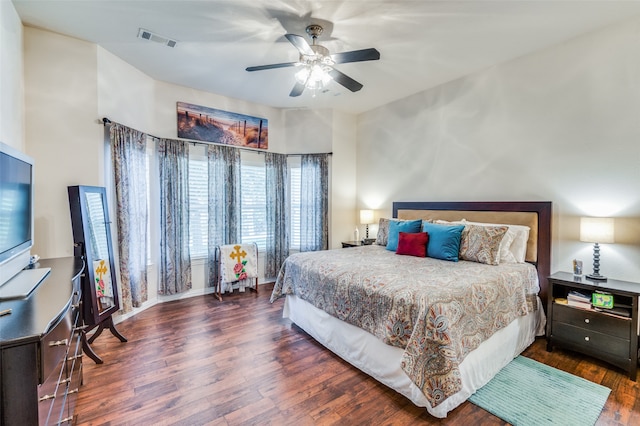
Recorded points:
(383, 232)
(482, 243)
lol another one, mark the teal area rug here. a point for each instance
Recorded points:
(528, 393)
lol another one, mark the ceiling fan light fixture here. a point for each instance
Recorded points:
(302, 75)
(320, 74)
(316, 64)
(314, 76)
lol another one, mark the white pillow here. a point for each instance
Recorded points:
(513, 248)
(506, 256)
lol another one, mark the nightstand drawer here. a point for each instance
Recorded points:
(594, 321)
(591, 341)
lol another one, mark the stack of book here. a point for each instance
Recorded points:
(579, 300)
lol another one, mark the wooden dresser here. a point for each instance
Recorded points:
(40, 349)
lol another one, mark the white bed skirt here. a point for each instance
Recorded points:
(382, 362)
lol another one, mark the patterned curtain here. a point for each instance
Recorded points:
(128, 153)
(277, 213)
(224, 201)
(175, 258)
(314, 204)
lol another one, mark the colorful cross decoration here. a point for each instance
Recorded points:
(101, 270)
(239, 255)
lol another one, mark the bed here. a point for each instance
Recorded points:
(433, 330)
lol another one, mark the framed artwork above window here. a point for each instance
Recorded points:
(201, 123)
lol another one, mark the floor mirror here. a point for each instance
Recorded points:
(92, 241)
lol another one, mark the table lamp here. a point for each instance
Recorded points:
(366, 218)
(596, 230)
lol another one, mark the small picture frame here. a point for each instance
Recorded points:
(577, 268)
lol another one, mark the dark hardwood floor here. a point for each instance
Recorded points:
(199, 361)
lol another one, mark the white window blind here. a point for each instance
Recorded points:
(198, 205)
(294, 185)
(254, 205)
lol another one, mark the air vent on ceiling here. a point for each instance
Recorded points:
(150, 36)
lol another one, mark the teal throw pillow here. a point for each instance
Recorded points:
(397, 226)
(444, 240)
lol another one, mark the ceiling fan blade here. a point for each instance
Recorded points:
(356, 56)
(300, 43)
(297, 90)
(272, 66)
(345, 80)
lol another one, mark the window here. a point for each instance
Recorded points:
(198, 203)
(253, 202)
(294, 185)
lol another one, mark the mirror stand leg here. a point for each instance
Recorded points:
(86, 348)
(107, 324)
(96, 333)
(114, 330)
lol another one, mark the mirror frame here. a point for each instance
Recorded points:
(81, 236)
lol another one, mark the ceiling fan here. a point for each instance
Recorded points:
(316, 63)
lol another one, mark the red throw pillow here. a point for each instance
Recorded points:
(413, 244)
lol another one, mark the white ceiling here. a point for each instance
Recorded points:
(422, 43)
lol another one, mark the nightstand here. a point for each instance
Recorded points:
(346, 244)
(610, 337)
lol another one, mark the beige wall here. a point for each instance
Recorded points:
(11, 79)
(323, 130)
(343, 177)
(559, 125)
(61, 132)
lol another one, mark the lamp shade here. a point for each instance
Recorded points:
(366, 217)
(596, 229)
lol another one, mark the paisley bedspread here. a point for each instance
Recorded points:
(437, 311)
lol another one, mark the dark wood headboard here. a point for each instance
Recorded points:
(538, 218)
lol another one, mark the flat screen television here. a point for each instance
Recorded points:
(16, 211)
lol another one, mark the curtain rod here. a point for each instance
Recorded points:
(309, 153)
(107, 122)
